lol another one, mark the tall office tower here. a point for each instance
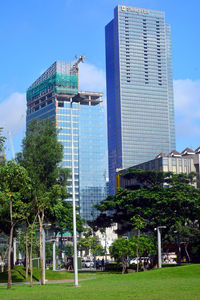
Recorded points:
(55, 95)
(140, 106)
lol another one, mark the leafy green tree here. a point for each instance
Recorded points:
(92, 244)
(146, 179)
(61, 217)
(2, 139)
(69, 248)
(184, 235)
(14, 186)
(179, 202)
(41, 154)
(121, 249)
(138, 223)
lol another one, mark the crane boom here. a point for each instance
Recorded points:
(77, 62)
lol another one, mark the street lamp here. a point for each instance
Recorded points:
(74, 203)
(159, 244)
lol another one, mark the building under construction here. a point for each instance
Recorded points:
(80, 119)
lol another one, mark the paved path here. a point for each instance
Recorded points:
(47, 282)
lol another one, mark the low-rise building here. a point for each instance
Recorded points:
(185, 162)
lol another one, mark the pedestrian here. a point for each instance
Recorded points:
(98, 263)
(102, 264)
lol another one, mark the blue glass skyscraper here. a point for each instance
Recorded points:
(55, 95)
(140, 105)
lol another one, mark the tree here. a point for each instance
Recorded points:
(61, 218)
(121, 249)
(92, 244)
(158, 204)
(138, 223)
(179, 202)
(14, 186)
(41, 154)
(184, 235)
(2, 139)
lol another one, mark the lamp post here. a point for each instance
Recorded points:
(159, 244)
(74, 203)
(44, 258)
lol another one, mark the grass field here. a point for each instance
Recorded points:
(18, 275)
(167, 283)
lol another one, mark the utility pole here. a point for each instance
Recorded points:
(159, 245)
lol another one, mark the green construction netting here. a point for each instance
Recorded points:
(62, 83)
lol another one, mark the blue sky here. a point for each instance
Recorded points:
(35, 33)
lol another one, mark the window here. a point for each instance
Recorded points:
(165, 161)
(173, 161)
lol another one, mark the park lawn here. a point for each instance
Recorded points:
(167, 283)
(18, 275)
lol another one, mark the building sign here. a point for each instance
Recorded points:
(137, 10)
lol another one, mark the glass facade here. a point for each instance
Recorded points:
(89, 133)
(140, 106)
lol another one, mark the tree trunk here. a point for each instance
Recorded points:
(27, 255)
(31, 262)
(10, 247)
(124, 265)
(41, 218)
(186, 251)
(178, 249)
(138, 247)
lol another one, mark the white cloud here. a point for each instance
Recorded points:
(91, 78)
(13, 113)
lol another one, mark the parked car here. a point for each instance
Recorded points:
(170, 261)
(89, 263)
(140, 260)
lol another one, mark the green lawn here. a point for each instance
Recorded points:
(167, 283)
(18, 275)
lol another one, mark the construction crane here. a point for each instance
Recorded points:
(77, 62)
(75, 67)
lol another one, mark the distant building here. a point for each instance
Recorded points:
(55, 95)
(140, 104)
(185, 162)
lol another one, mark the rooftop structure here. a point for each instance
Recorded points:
(186, 162)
